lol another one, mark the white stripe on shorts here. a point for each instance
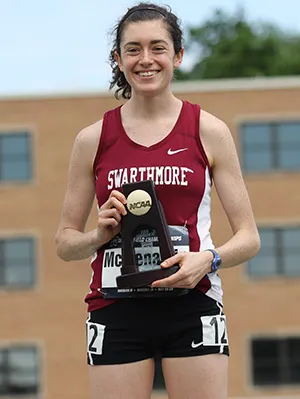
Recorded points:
(89, 354)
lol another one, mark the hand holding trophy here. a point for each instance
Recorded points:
(146, 239)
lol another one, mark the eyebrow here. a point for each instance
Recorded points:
(152, 42)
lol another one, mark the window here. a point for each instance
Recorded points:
(19, 371)
(270, 146)
(17, 262)
(279, 253)
(15, 157)
(159, 382)
(276, 361)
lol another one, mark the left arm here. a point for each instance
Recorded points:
(244, 243)
(230, 186)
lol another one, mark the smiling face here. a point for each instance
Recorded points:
(147, 56)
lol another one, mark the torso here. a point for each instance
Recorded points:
(179, 167)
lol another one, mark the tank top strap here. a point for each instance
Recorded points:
(109, 133)
(190, 124)
(189, 121)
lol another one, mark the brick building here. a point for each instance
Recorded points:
(42, 332)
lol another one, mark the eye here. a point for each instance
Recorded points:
(132, 50)
(159, 49)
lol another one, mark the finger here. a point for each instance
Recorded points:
(170, 281)
(109, 214)
(108, 222)
(173, 260)
(114, 202)
(120, 196)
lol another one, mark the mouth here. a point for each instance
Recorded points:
(147, 74)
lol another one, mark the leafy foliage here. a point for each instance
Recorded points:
(229, 46)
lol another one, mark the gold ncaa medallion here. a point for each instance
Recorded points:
(139, 202)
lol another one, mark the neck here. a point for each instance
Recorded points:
(151, 106)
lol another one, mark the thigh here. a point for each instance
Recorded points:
(196, 377)
(196, 328)
(117, 335)
(122, 381)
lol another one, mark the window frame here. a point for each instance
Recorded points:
(284, 374)
(37, 368)
(279, 249)
(29, 154)
(4, 285)
(274, 126)
(158, 381)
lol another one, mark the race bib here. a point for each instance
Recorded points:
(94, 336)
(147, 255)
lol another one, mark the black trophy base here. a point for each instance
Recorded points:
(146, 278)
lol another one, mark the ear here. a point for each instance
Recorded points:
(178, 58)
(118, 59)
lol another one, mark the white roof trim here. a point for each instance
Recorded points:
(241, 84)
(189, 86)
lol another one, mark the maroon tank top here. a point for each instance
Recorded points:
(180, 171)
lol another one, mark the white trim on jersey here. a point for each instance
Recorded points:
(89, 353)
(203, 230)
(94, 257)
(203, 216)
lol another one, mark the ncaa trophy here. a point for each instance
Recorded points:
(146, 239)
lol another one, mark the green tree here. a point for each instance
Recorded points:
(229, 46)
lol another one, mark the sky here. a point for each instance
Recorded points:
(62, 46)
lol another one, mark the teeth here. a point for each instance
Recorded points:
(150, 73)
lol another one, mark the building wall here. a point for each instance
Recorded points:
(53, 314)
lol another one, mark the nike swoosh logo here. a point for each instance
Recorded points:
(172, 152)
(196, 345)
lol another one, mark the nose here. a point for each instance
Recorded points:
(146, 58)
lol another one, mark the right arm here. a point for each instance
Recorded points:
(72, 242)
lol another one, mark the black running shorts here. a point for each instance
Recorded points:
(131, 330)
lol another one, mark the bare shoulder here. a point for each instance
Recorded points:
(90, 134)
(87, 141)
(212, 126)
(215, 136)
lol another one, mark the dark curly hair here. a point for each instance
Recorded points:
(141, 12)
